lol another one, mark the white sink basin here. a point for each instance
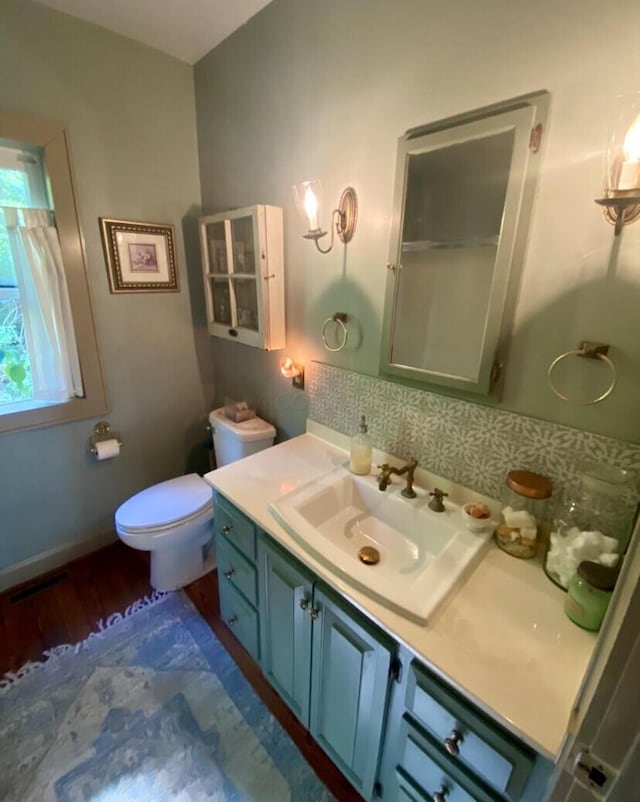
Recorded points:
(423, 554)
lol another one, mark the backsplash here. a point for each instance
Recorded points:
(467, 443)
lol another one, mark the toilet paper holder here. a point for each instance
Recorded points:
(101, 432)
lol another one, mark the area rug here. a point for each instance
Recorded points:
(149, 709)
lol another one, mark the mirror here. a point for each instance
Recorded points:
(463, 196)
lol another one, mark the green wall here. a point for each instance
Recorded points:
(130, 116)
(323, 90)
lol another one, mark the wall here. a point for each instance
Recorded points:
(323, 90)
(130, 117)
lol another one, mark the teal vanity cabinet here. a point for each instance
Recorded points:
(439, 747)
(237, 575)
(327, 661)
(395, 730)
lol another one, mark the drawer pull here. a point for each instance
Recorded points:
(452, 743)
(232, 621)
(441, 795)
(227, 529)
(230, 572)
(314, 613)
(304, 603)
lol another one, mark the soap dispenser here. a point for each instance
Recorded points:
(360, 461)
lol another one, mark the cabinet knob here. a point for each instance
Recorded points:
(440, 796)
(452, 743)
(226, 529)
(304, 603)
(229, 572)
(314, 613)
(232, 621)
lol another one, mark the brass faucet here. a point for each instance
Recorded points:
(384, 477)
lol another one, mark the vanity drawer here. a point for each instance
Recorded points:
(423, 772)
(240, 617)
(231, 523)
(232, 565)
(472, 740)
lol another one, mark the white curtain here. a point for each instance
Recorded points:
(46, 310)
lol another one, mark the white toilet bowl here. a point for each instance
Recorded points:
(172, 520)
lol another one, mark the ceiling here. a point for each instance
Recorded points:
(186, 29)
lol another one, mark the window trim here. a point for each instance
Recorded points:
(51, 137)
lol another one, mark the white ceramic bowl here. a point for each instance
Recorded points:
(475, 524)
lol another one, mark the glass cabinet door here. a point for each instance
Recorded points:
(217, 247)
(243, 246)
(222, 312)
(246, 303)
(242, 263)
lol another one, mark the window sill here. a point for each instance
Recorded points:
(25, 406)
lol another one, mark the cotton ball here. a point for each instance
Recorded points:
(608, 559)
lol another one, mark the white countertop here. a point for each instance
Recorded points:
(502, 638)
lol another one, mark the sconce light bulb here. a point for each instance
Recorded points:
(629, 177)
(311, 208)
(288, 367)
(631, 146)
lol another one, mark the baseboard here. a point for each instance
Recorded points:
(50, 560)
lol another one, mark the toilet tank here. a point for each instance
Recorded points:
(233, 441)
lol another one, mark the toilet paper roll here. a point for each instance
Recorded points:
(107, 449)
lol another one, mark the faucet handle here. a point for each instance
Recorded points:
(436, 504)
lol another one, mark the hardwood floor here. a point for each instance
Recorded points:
(66, 605)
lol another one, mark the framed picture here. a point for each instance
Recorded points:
(140, 256)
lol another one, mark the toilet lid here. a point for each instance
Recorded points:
(165, 503)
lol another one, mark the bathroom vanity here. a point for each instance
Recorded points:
(472, 705)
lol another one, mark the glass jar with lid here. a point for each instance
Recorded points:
(589, 594)
(591, 521)
(524, 504)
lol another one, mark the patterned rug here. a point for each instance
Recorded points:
(149, 709)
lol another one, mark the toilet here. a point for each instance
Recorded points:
(173, 520)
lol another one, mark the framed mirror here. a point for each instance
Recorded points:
(463, 196)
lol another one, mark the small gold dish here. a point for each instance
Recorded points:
(368, 555)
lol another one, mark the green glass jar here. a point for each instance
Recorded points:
(589, 594)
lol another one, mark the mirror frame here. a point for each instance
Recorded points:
(523, 114)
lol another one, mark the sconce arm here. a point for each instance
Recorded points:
(333, 230)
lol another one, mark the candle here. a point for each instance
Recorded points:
(630, 168)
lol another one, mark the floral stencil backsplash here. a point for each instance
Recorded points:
(467, 443)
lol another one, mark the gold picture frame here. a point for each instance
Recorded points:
(140, 257)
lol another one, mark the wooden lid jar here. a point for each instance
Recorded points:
(524, 504)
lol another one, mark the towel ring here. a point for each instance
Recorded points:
(590, 350)
(340, 318)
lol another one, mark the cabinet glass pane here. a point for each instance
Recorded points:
(244, 252)
(221, 301)
(247, 303)
(217, 248)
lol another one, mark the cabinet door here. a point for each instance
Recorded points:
(285, 602)
(350, 676)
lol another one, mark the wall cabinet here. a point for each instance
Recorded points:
(327, 661)
(394, 729)
(243, 267)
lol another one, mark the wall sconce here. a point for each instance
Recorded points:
(622, 178)
(308, 195)
(293, 371)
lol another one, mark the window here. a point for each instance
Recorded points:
(35, 174)
(22, 185)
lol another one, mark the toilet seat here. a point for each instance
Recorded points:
(165, 507)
